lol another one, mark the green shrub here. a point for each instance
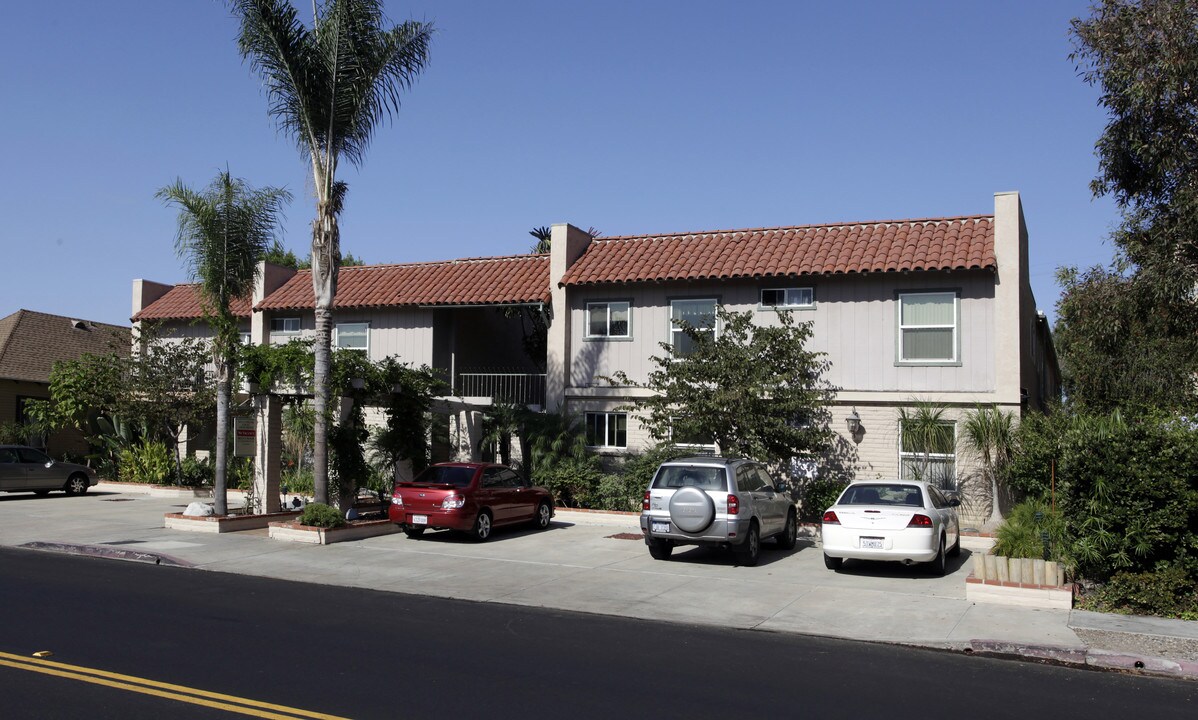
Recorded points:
(321, 515)
(618, 492)
(196, 473)
(1170, 592)
(147, 462)
(1027, 529)
(298, 482)
(574, 482)
(639, 468)
(239, 473)
(817, 495)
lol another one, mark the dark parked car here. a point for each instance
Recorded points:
(25, 469)
(469, 497)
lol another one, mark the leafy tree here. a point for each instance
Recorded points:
(925, 432)
(224, 231)
(756, 390)
(329, 86)
(276, 254)
(1143, 54)
(1122, 345)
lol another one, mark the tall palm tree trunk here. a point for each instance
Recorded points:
(220, 474)
(325, 253)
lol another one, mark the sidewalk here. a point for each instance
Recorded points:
(597, 563)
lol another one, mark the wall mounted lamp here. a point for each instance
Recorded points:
(854, 422)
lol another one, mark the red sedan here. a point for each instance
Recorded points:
(470, 497)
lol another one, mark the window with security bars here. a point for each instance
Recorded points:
(699, 314)
(607, 429)
(929, 453)
(928, 327)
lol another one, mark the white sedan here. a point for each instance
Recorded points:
(900, 520)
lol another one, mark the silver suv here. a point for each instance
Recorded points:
(719, 502)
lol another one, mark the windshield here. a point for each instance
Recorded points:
(456, 476)
(679, 476)
(883, 494)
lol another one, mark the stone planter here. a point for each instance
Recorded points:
(227, 523)
(1018, 581)
(355, 530)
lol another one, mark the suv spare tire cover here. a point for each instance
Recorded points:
(691, 509)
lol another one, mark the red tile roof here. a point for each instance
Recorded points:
(182, 302)
(471, 281)
(886, 246)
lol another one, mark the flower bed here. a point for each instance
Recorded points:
(224, 524)
(1018, 581)
(353, 530)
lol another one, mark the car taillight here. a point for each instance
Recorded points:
(733, 504)
(645, 502)
(918, 520)
(396, 498)
(453, 502)
(830, 518)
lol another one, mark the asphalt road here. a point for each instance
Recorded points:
(364, 654)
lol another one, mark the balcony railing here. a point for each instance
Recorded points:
(519, 388)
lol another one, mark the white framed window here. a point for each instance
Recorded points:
(608, 320)
(699, 314)
(929, 454)
(353, 336)
(928, 323)
(607, 429)
(284, 325)
(791, 297)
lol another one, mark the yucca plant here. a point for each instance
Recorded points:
(990, 434)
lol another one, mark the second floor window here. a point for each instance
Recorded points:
(285, 325)
(928, 327)
(699, 314)
(607, 319)
(353, 336)
(794, 297)
(607, 429)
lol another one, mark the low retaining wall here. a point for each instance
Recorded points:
(223, 524)
(358, 530)
(1018, 581)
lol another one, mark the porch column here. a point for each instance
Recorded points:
(268, 410)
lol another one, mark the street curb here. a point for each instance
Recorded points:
(108, 553)
(1084, 657)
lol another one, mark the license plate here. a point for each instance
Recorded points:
(661, 527)
(870, 543)
(420, 519)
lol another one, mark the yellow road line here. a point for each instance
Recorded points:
(181, 693)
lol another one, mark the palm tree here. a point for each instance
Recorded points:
(989, 433)
(224, 231)
(329, 86)
(925, 432)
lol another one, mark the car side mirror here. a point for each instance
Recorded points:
(954, 502)
(782, 486)
(49, 463)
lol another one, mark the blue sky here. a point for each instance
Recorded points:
(631, 117)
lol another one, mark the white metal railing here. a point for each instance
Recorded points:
(520, 388)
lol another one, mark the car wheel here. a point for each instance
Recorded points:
(833, 563)
(661, 549)
(936, 567)
(790, 533)
(544, 513)
(750, 550)
(413, 532)
(76, 485)
(482, 526)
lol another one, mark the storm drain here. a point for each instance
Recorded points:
(117, 500)
(626, 536)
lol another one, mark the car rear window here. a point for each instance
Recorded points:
(883, 494)
(457, 476)
(680, 476)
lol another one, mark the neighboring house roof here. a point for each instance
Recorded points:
(31, 342)
(182, 302)
(956, 243)
(472, 281)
